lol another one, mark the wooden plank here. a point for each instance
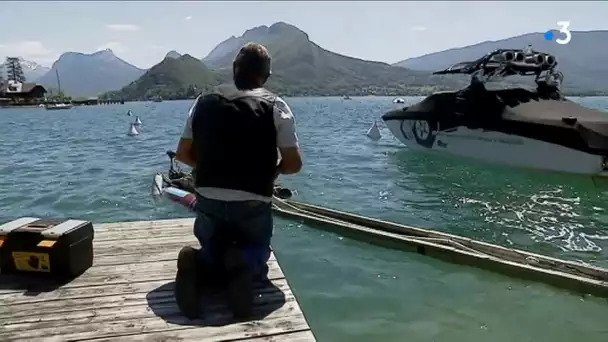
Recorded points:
(145, 249)
(119, 274)
(280, 320)
(184, 239)
(189, 334)
(166, 233)
(132, 258)
(26, 315)
(64, 296)
(149, 256)
(158, 225)
(142, 250)
(145, 224)
(142, 246)
(267, 327)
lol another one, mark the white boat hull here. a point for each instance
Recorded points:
(59, 106)
(496, 147)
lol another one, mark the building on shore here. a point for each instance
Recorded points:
(16, 93)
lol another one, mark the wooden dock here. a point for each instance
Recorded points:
(128, 296)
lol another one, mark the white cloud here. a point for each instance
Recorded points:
(114, 46)
(30, 50)
(123, 27)
(25, 49)
(418, 28)
(158, 47)
(188, 17)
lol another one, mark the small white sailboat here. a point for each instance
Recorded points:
(57, 106)
(133, 131)
(373, 132)
(137, 121)
(398, 100)
(129, 113)
(61, 105)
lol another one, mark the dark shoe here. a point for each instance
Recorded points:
(240, 284)
(187, 294)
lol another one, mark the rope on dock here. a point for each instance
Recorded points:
(574, 276)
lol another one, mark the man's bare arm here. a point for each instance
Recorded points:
(287, 139)
(185, 152)
(185, 148)
(291, 160)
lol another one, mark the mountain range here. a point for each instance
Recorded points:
(83, 74)
(173, 78)
(301, 67)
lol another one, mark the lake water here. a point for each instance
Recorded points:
(81, 163)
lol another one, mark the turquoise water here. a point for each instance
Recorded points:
(81, 163)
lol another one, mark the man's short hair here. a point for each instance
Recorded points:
(253, 58)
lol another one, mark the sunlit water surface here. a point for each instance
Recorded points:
(81, 163)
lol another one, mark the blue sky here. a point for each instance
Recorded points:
(143, 32)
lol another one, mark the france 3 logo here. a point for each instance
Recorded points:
(565, 33)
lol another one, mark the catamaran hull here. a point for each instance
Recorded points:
(496, 147)
(182, 197)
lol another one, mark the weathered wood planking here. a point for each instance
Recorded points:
(128, 296)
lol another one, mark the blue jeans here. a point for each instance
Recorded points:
(246, 223)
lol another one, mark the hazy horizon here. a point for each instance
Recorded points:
(142, 33)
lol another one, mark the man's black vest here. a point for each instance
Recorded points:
(235, 141)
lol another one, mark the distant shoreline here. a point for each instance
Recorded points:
(21, 106)
(307, 96)
(351, 97)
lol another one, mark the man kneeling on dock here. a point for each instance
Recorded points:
(231, 138)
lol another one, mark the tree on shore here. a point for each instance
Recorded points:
(14, 72)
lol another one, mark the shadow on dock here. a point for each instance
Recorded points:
(214, 312)
(30, 285)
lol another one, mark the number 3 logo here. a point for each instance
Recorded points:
(563, 28)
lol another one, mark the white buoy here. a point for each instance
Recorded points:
(157, 185)
(133, 131)
(373, 132)
(137, 121)
(129, 113)
(398, 100)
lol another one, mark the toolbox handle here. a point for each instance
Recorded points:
(62, 228)
(6, 228)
